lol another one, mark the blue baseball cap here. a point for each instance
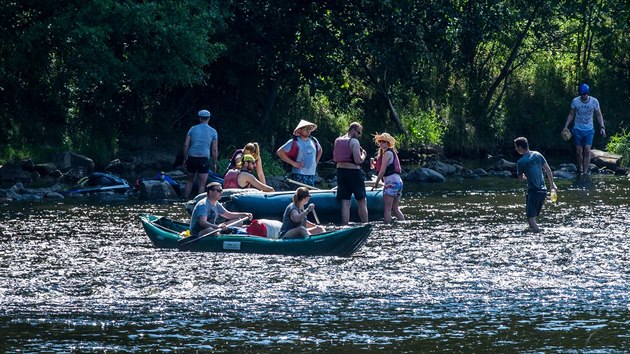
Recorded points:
(204, 113)
(583, 89)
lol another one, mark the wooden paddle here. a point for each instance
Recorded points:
(188, 240)
(302, 184)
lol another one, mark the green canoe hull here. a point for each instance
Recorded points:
(165, 233)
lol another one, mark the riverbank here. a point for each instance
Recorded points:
(67, 172)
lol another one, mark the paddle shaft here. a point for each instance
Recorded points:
(315, 216)
(216, 231)
(301, 184)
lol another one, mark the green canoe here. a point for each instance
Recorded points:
(165, 233)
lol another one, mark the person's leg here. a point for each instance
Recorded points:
(297, 232)
(396, 209)
(315, 230)
(362, 208)
(345, 211)
(388, 201)
(189, 184)
(579, 158)
(203, 177)
(533, 226)
(587, 158)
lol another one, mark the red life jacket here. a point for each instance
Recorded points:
(295, 149)
(231, 179)
(393, 167)
(341, 150)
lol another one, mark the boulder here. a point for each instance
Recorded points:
(505, 165)
(441, 167)
(605, 159)
(561, 174)
(66, 161)
(568, 167)
(501, 173)
(480, 172)
(157, 190)
(425, 175)
(12, 172)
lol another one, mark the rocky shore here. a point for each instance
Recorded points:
(66, 172)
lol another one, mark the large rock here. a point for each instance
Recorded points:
(157, 190)
(561, 174)
(505, 165)
(425, 175)
(66, 161)
(605, 159)
(12, 172)
(441, 167)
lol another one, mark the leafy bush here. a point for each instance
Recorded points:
(620, 144)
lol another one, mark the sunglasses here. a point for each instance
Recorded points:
(382, 141)
(218, 190)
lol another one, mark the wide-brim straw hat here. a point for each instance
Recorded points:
(304, 123)
(566, 134)
(385, 136)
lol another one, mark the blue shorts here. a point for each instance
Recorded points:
(583, 137)
(196, 164)
(534, 202)
(350, 181)
(306, 179)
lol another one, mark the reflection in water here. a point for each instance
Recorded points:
(459, 273)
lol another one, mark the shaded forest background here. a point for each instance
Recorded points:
(102, 77)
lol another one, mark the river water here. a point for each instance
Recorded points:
(459, 275)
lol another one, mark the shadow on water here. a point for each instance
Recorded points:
(459, 275)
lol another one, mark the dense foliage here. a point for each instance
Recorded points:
(101, 76)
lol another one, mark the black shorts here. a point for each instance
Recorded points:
(534, 202)
(350, 181)
(196, 164)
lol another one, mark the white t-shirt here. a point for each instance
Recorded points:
(307, 154)
(584, 112)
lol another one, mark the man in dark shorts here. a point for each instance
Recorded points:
(530, 167)
(349, 155)
(200, 144)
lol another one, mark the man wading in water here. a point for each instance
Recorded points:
(530, 167)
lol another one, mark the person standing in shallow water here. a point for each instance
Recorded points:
(530, 167)
(582, 109)
(349, 155)
(200, 145)
(388, 170)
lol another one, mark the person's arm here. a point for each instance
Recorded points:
(236, 215)
(203, 222)
(358, 154)
(215, 154)
(319, 153)
(284, 157)
(298, 217)
(251, 179)
(260, 172)
(569, 118)
(520, 174)
(186, 146)
(600, 120)
(549, 174)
